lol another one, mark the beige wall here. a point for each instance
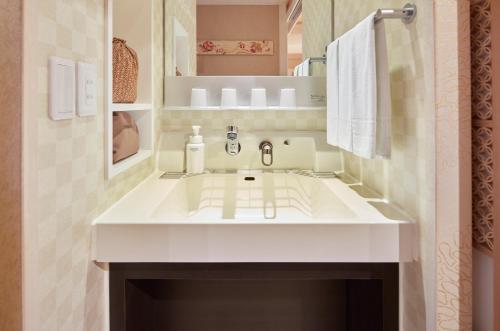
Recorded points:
(63, 176)
(239, 23)
(10, 167)
(317, 30)
(407, 179)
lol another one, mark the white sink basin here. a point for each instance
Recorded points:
(252, 197)
(248, 217)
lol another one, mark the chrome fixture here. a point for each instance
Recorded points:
(233, 146)
(406, 14)
(266, 149)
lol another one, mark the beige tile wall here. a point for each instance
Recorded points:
(64, 173)
(317, 30)
(246, 121)
(407, 179)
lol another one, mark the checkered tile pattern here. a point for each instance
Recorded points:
(317, 30)
(70, 185)
(314, 120)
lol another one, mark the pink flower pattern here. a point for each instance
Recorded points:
(226, 47)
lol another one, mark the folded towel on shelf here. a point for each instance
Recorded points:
(358, 89)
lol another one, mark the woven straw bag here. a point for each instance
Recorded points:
(125, 72)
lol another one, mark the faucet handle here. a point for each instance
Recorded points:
(266, 148)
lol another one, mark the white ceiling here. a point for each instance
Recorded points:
(240, 2)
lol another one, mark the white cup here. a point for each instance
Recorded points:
(198, 97)
(288, 98)
(228, 98)
(259, 98)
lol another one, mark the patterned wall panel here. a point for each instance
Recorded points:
(482, 131)
(64, 175)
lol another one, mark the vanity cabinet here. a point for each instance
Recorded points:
(254, 296)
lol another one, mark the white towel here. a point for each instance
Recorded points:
(296, 70)
(305, 67)
(359, 103)
(384, 104)
(332, 85)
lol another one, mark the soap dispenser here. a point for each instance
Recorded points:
(195, 152)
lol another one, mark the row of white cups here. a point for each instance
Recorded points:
(229, 99)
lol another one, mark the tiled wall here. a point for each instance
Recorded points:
(64, 181)
(317, 30)
(407, 179)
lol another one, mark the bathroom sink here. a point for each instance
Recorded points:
(248, 216)
(252, 196)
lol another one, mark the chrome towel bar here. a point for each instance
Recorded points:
(407, 15)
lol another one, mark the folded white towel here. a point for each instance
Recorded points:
(358, 91)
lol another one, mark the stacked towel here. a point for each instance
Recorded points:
(358, 89)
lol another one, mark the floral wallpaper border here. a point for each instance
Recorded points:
(235, 47)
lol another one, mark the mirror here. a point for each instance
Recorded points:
(246, 37)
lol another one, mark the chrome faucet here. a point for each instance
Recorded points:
(266, 149)
(233, 146)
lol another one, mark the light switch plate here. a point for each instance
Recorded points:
(61, 88)
(87, 89)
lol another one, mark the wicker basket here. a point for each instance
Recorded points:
(125, 72)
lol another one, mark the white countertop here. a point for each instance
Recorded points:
(140, 228)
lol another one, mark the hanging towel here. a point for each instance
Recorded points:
(302, 69)
(305, 67)
(332, 85)
(359, 120)
(384, 104)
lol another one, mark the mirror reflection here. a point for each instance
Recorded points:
(246, 37)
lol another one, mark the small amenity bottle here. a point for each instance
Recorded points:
(195, 153)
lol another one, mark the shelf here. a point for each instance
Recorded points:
(242, 108)
(131, 106)
(139, 36)
(132, 160)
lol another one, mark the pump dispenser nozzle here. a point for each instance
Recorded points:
(196, 138)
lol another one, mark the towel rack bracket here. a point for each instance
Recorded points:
(410, 12)
(407, 14)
